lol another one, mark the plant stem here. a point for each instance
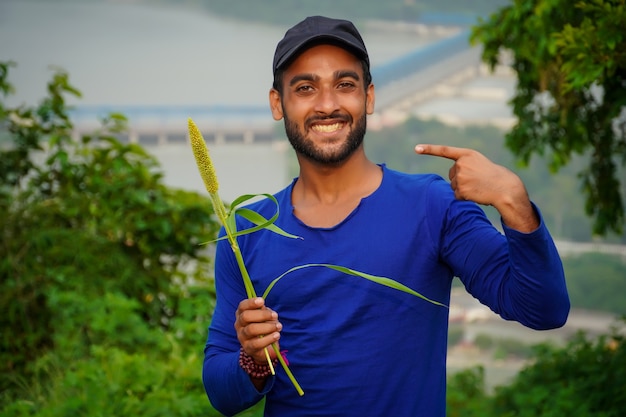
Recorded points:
(207, 172)
(220, 210)
(287, 370)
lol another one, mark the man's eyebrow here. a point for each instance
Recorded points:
(303, 77)
(347, 74)
(312, 77)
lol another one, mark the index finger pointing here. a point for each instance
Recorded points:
(449, 152)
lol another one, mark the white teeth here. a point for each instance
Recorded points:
(327, 128)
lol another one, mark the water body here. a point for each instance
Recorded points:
(123, 53)
(126, 54)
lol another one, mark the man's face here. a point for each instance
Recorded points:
(324, 104)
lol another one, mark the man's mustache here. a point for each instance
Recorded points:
(334, 116)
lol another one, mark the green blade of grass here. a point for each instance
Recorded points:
(261, 223)
(387, 282)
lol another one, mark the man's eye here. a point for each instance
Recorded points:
(346, 84)
(304, 88)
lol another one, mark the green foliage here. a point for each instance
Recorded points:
(466, 396)
(511, 347)
(503, 348)
(585, 378)
(483, 341)
(570, 60)
(103, 282)
(596, 281)
(113, 382)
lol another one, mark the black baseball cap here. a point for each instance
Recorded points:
(315, 30)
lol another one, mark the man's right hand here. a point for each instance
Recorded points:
(257, 327)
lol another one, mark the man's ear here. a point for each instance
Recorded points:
(370, 99)
(276, 104)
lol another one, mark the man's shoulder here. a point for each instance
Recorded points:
(414, 181)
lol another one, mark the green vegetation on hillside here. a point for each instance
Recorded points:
(585, 378)
(597, 281)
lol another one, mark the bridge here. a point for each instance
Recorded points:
(242, 139)
(400, 84)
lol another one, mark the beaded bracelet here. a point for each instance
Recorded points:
(252, 368)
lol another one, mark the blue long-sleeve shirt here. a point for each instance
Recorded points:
(358, 348)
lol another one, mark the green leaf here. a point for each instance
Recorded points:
(254, 217)
(247, 197)
(262, 223)
(387, 282)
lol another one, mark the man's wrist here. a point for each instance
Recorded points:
(255, 370)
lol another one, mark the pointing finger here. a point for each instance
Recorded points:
(443, 151)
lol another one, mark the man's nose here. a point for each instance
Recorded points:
(327, 101)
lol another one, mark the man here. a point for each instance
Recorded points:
(358, 348)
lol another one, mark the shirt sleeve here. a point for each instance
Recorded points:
(518, 275)
(227, 385)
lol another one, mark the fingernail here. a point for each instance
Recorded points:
(258, 301)
(279, 326)
(419, 149)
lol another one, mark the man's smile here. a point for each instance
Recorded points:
(321, 128)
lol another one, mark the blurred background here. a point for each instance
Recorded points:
(160, 62)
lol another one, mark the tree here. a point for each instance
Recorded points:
(570, 61)
(104, 290)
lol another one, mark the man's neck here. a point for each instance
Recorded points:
(324, 195)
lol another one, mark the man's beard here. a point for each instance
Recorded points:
(309, 150)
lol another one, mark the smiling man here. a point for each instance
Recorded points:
(358, 348)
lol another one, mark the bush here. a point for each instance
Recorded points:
(103, 284)
(585, 378)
